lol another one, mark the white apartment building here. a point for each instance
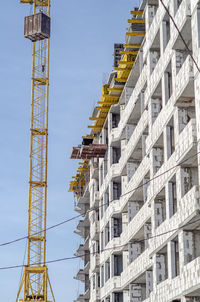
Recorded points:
(140, 202)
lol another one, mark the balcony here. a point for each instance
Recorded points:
(184, 82)
(158, 125)
(82, 273)
(95, 295)
(114, 244)
(94, 230)
(136, 223)
(136, 179)
(117, 132)
(158, 73)
(186, 143)
(82, 228)
(189, 280)
(94, 170)
(94, 262)
(82, 250)
(187, 140)
(187, 207)
(183, 19)
(111, 285)
(136, 268)
(95, 200)
(153, 30)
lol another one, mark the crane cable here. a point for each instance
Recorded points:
(102, 250)
(96, 208)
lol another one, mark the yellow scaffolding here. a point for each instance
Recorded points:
(111, 95)
(80, 180)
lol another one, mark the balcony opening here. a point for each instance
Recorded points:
(129, 131)
(156, 107)
(133, 208)
(154, 56)
(102, 241)
(101, 175)
(107, 270)
(106, 199)
(157, 94)
(160, 208)
(140, 242)
(189, 178)
(95, 247)
(172, 196)
(175, 262)
(144, 137)
(170, 138)
(87, 283)
(181, 56)
(118, 264)
(116, 154)
(185, 114)
(116, 189)
(165, 30)
(168, 82)
(145, 185)
(98, 280)
(107, 299)
(86, 258)
(133, 120)
(142, 287)
(186, 29)
(135, 157)
(156, 41)
(105, 134)
(93, 282)
(162, 265)
(138, 198)
(115, 120)
(102, 275)
(177, 3)
(118, 297)
(191, 245)
(152, 9)
(131, 167)
(107, 234)
(198, 25)
(105, 164)
(158, 154)
(116, 226)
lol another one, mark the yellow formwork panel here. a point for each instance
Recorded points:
(126, 62)
(121, 80)
(136, 21)
(115, 89)
(132, 45)
(122, 69)
(137, 12)
(136, 33)
(128, 52)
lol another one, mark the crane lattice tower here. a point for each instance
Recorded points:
(35, 284)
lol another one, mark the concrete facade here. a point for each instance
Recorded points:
(141, 241)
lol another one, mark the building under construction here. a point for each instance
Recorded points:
(137, 185)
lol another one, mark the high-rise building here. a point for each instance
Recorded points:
(140, 197)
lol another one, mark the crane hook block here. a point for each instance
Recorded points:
(37, 27)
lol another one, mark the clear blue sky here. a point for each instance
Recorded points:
(83, 34)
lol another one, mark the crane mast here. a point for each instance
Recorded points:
(35, 284)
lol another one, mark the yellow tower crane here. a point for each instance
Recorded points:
(35, 284)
